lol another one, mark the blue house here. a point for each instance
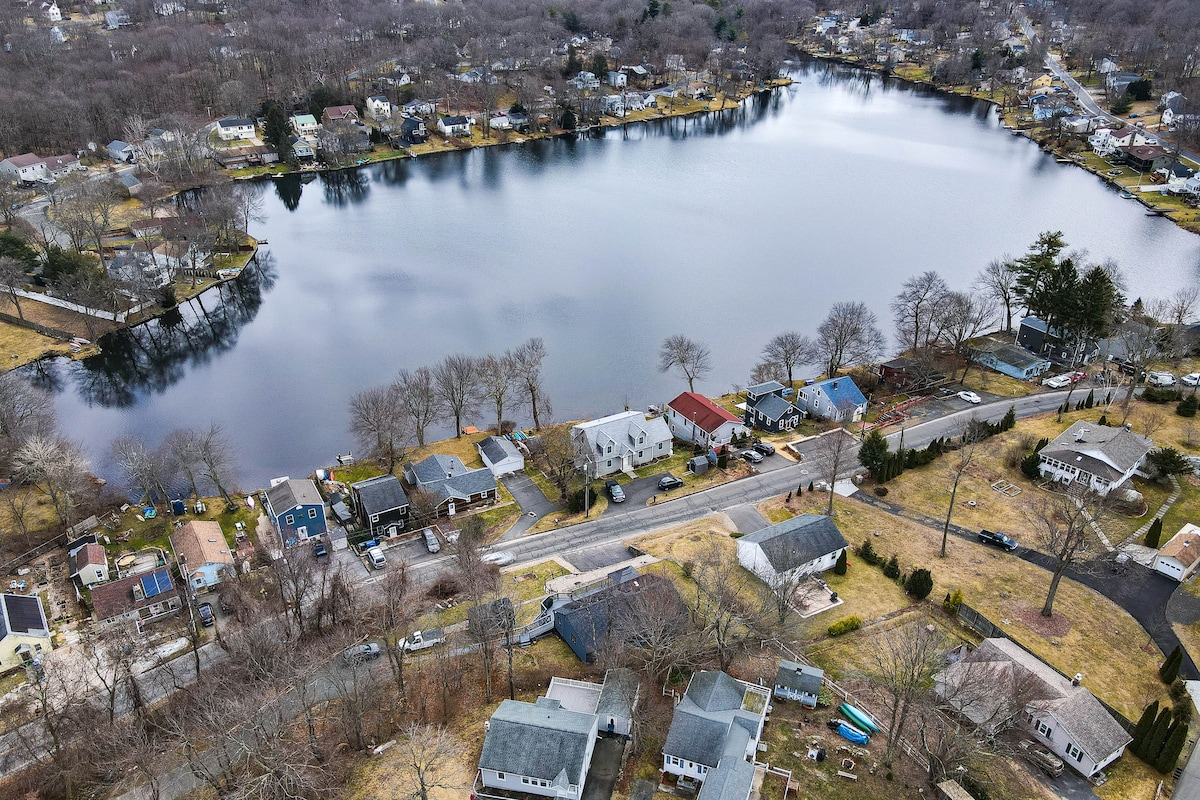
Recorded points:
(296, 510)
(767, 410)
(606, 619)
(837, 399)
(1008, 359)
(1035, 336)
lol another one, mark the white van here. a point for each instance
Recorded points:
(376, 557)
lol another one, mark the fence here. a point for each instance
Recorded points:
(54, 333)
(117, 316)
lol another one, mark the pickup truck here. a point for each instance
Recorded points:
(999, 539)
(423, 640)
(1041, 758)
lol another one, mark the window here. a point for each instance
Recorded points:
(609, 449)
(660, 445)
(312, 513)
(374, 518)
(500, 776)
(525, 781)
(1074, 752)
(639, 453)
(289, 519)
(610, 462)
(642, 439)
(1043, 729)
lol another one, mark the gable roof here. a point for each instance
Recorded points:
(24, 160)
(236, 122)
(707, 415)
(377, 495)
(797, 541)
(117, 597)
(456, 120)
(1184, 546)
(495, 449)
(713, 710)
(842, 392)
(90, 554)
(764, 388)
(1103, 451)
(304, 119)
(613, 611)
(289, 493)
(1007, 353)
(538, 740)
(436, 468)
(774, 407)
(23, 615)
(800, 677)
(622, 430)
(201, 542)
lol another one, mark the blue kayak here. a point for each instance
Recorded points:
(854, 735)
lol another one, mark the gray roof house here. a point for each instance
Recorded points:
(612, 702)
(714, 736)
(451, 482)
(999, 681)
(380, 501)
(121, 151)
(538, 748)
(798, 682)
(1095, 456)
(620, 442)
(500, 455)
(807, 544)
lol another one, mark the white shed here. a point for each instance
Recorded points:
(500, 456)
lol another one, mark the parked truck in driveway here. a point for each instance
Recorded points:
(423, 640)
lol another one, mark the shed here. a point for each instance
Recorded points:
(500, 456)
(697, 465)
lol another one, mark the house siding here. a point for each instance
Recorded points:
(788, 693)
(687, 769)
(1057, 741)
(93, 573)
(205, 575)
(313, 526)
(567, 632)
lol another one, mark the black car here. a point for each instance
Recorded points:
(766, 448)
(206, 614)
(668, 482)
(999, 539)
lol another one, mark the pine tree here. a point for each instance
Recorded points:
(1142, 729)
(810, 485)
(1169, 756)
(839, 568)
(892, 568)
(1103, 420)
(1091, 399)
(1169, 671)
(1154, 535)
(277, 132)
(1153, 743)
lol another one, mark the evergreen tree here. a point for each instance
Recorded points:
(1153, 744)
(277, 132)
(1169, 757)
(1142, 729)
(892, 568)
(839, 568)
(810, 485)
(600, 66)
(919, 584)
(574, 65)
(1187, 408)
(1091, 399)
(1152, 537)
(873, 453)
(800, 490)
(1010, 419)
(1103, 420)
(1169, 670)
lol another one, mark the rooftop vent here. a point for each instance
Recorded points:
(1077, 679)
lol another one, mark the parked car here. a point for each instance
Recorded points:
(753, 456)
(1076, 376)
(999, 539)
(668, 482)
(376, 557)
(320, 552)
(499, 558)
(1041, 758)
(1160, 379)
(1057, 382)
(970, 397)
(766, 448)
(356, 654)
(206, 614)
(615, 491)
(431, 541)
(1191, 379)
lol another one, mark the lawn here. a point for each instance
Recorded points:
(525, 588)
(154, 532)
(20, 346)
(563, 519)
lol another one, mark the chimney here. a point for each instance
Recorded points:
(1128, 426)
(1077, 679)
(835, 386)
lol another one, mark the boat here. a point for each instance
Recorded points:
(859, 718)
(1127, 195)
(852, 734)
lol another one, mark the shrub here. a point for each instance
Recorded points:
(892, 568)
(880, 491)
(1154, 534)
(952, 602)
(1169, 670)
(1168, 461)
(845, 625)
(919, 584)
(1014, 454)
(867, 553)
(1169, 757)
(736, 535)
(1026, 440)
(1029, 466)
(1187, 408)
(1155, 394)
(1142, 729)
(1103, 420)
(839, 568)
(575, 500)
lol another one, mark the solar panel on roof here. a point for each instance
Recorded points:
(156, 583)
(24, 613)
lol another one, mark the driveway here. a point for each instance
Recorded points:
(747, 519)
(637, 494)
(529, 497)
(606, 765)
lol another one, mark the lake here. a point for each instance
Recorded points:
(729, 228)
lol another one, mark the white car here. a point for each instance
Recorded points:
(970, 397)
(1160, 379)
(1191, 379)
(1057, 382)
(499, 558)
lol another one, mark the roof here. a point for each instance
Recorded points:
(613, 612)
(800, 677)
(289, 493)
(713, 710)
(22, 615)
(707, 415)
(90, 554)
(774, 407)
(201, 542)
(619, 696)
(304, 119)
(1007, 353)
(116, 597)
(495, 449)
(764, 388)
(734, 775)
(24, 160)
(458, 120)
(1184, 546)
(1145, 151)
(797, 541)
(437, 467)
(334, 112)
(1079, 713)
(378, 98)
(900, 363)
(450, 479)
(538, 740)
(1103, 451)
(236, 122)
(622, 430)
(117, 144)
(377, 495)
(842, 392)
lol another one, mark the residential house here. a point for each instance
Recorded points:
(767, 410)
(803, 545)
(1043, 82)
(296, 510)
(203, 553)
(302, 151)
(585, 80)
(613, 702)
(166, 8)
(1037, 337)
(999, 681)
(131, 183)
(455, 126)
(798, 682)
(231, 128)
(634, 102)
(142, 598)
(248, 156)
(603, 621)
(449, 480)
(500, 122)
(24, 633)
(500, 455)
(613, 105)
(714, 736)
(412, 131)
(400, 79)
(1108, 65)
(122, 152)
(538, 748)
(694, 418)
(379, 107)
(1117, 83)
(620, 442)
(380, 502)
(837, 399)
(25, 168)
(1008, 359)
(1179, 558)
(60, 166)
(617, 79)
(339, 114)
(415, 108)
(1078, 124)
(51, 12)
(1094, 457)
(1145, 157)
(1107, 142)
(303, 124)
(117, 18)
(88, 564)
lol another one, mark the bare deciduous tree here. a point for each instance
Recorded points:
(418, 400)
(146, 469)
(497, 383)
(835, 449)
(217, 460)
(1061, 528)
(429, 759)
(917, 307)
(527, 363)
(960, 461)
(690, 357)
(997, 282)
(57, 466)
(12, 280)
(456, 380)
(902, 661)
(849, 334)
(379, 425)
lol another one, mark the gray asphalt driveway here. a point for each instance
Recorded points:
(606, 765)
(529, 497)
(747, 518)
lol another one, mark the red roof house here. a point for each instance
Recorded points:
(694, 418)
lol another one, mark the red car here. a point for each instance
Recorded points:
(1076, 377)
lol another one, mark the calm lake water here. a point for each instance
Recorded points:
(728, 228)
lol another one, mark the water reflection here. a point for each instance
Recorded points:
(289, 188)
(345, 186)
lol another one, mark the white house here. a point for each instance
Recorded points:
(803, 545)
(455, 126)
(1107, 142)
(617, 80)
(500, 455)
(620, 442)
(838, 399)
(24, 634)
(694, 418)
(714, 736)
(25, 168)
(1180, 557)
(304, 124)
(379, 107)
(1100, 457)
(51, 12)
(613, 701)
(89, 564)
(203, 553)
(999, 681)
(538, 748)
(61, 166)
(232, 128)
(585, 80)
(798, 682)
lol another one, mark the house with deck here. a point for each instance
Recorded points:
(1094, 457)
(805, 545)
(296, 509)
(620, 442)
(232, 128)
(613, 701)
(141, 599)
(1007, 359)
(606, 620)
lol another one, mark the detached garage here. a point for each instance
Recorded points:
(500, 456)
(1180, 557)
